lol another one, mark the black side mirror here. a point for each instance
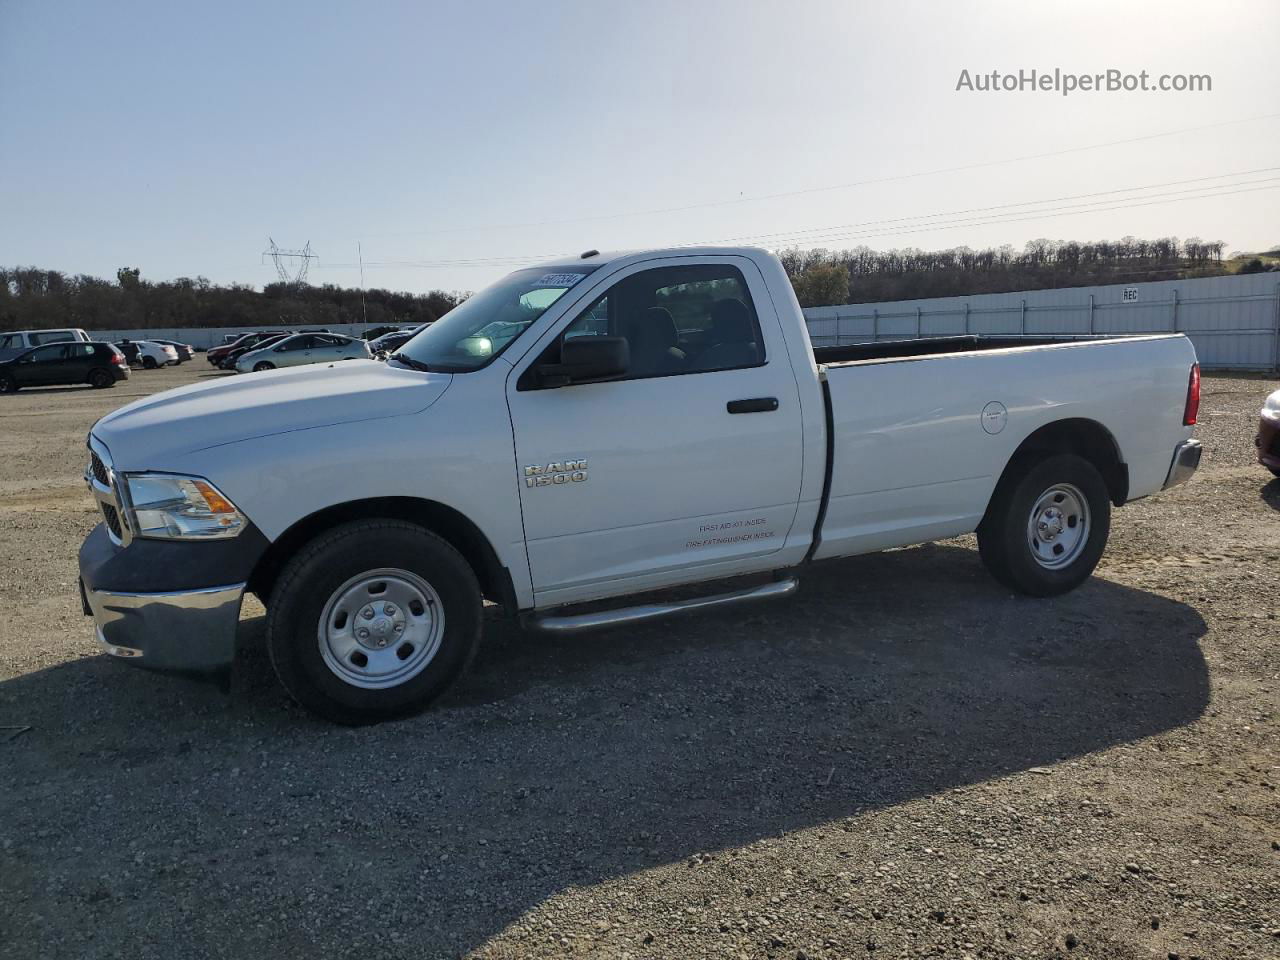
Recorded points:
(587, 358)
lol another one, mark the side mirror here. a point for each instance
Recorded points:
(587, 358)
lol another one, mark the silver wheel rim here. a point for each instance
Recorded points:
(381, 628)
(1058, 528)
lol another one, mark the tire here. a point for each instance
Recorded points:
(328, 591)
(148, 363)
(8, 384)
(101, 379)
(1026, 538)
(1275, 471)
(262, 365)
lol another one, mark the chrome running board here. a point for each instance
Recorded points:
(654, 611)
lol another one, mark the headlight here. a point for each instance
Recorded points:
(169, 506)
(1271, 409)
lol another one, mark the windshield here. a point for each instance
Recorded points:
(480, 328)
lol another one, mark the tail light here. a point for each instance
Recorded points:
(1192, 409)
(118, 359)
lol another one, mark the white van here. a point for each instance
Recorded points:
(12, 344)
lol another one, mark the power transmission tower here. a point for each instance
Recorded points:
(294, 276)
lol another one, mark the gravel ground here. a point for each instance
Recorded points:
(903, 761)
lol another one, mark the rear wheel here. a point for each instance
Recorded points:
(8, 384)
(372, 621)
(148, 363)
(263, 365)
(1047, 524)
(101, 379)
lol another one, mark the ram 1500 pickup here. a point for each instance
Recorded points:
(588, 431)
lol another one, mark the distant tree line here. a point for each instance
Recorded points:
(863, 275)
(33, 299)
(36, 299)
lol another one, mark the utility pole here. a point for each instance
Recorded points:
(290, 276)
(364, 307)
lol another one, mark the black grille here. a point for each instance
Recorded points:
(110, 515)
(99, 469)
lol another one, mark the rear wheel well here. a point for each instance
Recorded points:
(447, 523)
(1085, 438)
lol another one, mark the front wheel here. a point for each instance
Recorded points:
(1047, 524)
(148, 363)
(263, 365)
(372, 621)
(8, 384)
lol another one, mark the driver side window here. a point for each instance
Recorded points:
(678, 320)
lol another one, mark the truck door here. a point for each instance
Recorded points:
(691, 459)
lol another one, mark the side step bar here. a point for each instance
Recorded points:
(653, 611)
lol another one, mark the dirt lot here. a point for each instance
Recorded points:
(903, 761)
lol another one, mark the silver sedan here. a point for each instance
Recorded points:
(302, 348)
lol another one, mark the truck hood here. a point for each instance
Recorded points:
(156, 432)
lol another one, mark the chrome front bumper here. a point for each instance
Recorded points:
(187, 630)
(1186, 459)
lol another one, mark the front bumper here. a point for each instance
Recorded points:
(172, 605)
(187, 630)
(1186, 459)
(1268, 442)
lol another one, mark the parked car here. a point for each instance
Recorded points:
(374, 333)
(74, 361)
(229, 361)
(245, 341)
(184, 350)
(303, 348)
(389, 343)
(374, 506)
(147, 354)
(1268, 438)
(19, 341)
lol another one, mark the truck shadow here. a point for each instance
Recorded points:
(565, 762)
(1271, 494)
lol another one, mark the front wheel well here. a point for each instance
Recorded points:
(1084, 438)
(444, 521)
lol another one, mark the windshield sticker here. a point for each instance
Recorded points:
(557, 280)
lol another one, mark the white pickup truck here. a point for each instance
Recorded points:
(594, 430)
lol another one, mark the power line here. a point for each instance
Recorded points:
(1006, 206)
(1021, 216)
(1049, 214)
(977, 165)
(830, 234)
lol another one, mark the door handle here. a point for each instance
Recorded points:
(754, 405)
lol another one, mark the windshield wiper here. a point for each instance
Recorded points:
(411, 363)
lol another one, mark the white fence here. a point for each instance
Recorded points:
(1234, 322)
(205, 337)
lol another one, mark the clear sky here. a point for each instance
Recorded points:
(176, 137)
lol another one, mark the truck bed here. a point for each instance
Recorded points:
(917, 448)
(930, 346)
